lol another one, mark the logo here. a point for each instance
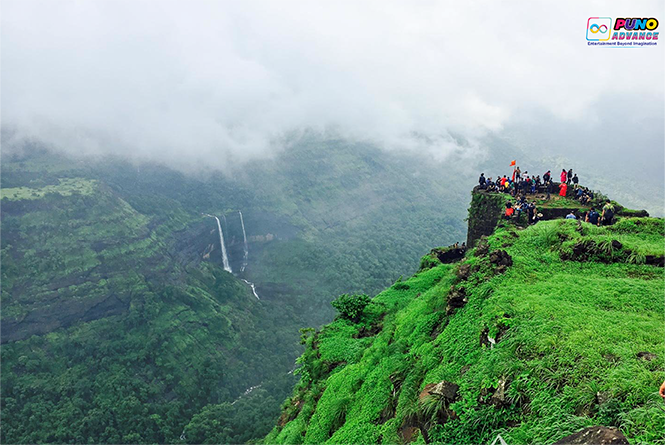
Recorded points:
(626, 32)
(598, 29)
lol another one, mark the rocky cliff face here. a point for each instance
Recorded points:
(487, 209)
(484, 214)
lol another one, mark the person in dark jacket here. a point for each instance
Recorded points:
(569, 175)
(547, 176)
(482, 181)
(593, 217)
(607, 216)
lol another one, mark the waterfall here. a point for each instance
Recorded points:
(225, 258)
(253, 286)
(245, 249)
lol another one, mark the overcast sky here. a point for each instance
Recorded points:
(192, 82)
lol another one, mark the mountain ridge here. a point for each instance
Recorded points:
(537, 333)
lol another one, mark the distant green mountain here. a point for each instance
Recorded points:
(535, 334)
(119, 324)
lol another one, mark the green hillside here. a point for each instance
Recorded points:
(119, 324)
(108, 337)
(536, 334)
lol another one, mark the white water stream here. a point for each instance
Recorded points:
(225, 257)
(245, 248)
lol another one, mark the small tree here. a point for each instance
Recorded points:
(351, 307)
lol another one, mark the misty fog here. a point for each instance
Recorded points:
(212, 84)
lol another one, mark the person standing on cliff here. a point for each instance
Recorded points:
(549, 187)
(481, 181)
(576, 180)
(563, 176)
(569, 176)
(547, 176)
(563, 189)
(530, 212)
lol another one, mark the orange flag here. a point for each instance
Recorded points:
(513, 163)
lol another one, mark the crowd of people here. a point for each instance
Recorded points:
(521, 184)
(524, 183)
(522, 206)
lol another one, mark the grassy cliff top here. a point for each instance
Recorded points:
(537, 334)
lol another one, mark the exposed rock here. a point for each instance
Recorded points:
(483, 247)
(616, 244)
(444, 389)
(658, 261)
(582, 249)
(63, 313)
(501, 259)
(408, 433)
(594, 435)
(449, 254)
(648, 356)
(485, 212)
(426, 391)
(456, 299)
(555, 213)
(499, 396)
(464, 271)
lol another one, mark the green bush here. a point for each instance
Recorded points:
(351, 307)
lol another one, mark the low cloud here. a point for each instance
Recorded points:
(197, 83)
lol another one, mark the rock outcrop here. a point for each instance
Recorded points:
(594, 435)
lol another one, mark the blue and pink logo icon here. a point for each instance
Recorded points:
(598, 29)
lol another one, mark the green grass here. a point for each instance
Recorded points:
(65, 187)
(571, 332)
(556, 202)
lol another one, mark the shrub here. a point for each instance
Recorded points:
(351, 307)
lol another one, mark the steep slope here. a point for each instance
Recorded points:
(536, 334)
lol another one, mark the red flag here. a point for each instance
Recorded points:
(513, 163)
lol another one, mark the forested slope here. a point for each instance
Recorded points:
(109, 336)
(119, 322)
